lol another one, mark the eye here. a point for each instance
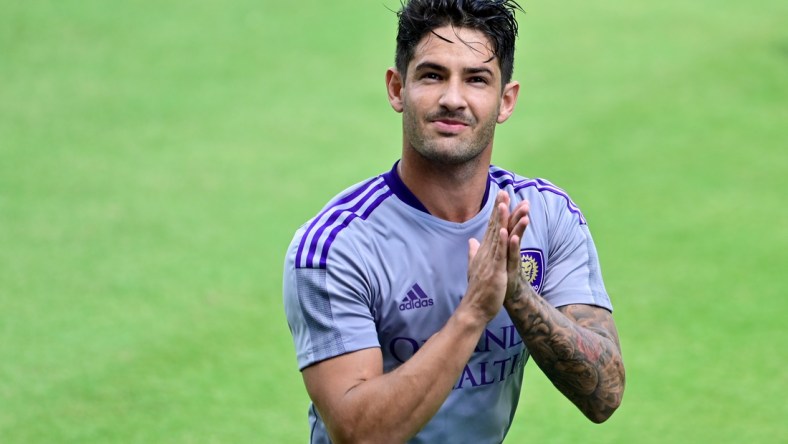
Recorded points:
(478, 79)
(431, 76)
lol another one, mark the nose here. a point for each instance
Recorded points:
(452, 97)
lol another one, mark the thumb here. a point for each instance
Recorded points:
(473, 247)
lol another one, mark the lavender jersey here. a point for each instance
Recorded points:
(375, 269)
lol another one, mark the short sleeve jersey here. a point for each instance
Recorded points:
(375, 269)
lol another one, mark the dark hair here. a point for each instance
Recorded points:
(494, 18)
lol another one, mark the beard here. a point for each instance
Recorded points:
(451, 150)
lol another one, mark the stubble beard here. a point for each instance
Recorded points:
(448, 151)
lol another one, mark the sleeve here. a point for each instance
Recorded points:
(573, 274)
(329, 310)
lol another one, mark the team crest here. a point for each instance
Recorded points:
(532, 267)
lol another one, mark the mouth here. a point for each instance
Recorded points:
(449, 126)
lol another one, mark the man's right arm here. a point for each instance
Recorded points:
(359, 403)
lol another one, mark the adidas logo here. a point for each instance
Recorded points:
(416, 298)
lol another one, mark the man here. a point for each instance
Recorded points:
(416, 297)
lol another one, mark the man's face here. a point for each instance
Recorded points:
(451, 99)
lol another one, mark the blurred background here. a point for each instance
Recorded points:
(157, 157)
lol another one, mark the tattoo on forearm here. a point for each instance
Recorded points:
(576, 347)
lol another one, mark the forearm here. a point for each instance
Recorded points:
(394, 406)
(360, 403)
(583, 362)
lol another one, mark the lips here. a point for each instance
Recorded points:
(449, 125)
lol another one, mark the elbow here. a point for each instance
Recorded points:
(600, 412)
(346, 434)
(342, 429)
(608, 400)
(351, 433)
(341, 435)
(348, 426)
(598, 416)
(353, 438)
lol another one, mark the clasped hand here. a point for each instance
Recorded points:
(494, 270)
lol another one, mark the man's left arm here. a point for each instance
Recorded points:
(575, 345)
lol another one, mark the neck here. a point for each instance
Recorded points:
(450, 192)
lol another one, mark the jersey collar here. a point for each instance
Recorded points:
(400, 190)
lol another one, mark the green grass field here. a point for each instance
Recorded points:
(156, 158)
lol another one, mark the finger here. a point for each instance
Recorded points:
(504, 212)
(493, 223)
(519, 212)
(504, 197)
(499, 244)
(519, 228)
(500, 207)
(497, 222)
(513, 259)
(499, 248)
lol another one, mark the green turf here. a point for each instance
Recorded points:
(156, 157)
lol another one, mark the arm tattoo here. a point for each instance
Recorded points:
(576, 346)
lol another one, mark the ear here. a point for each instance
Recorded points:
(508, 100)
(394, 84)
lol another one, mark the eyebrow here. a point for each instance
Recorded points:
(478, 70)
(430, 65)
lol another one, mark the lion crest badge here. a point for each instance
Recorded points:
(532, 266)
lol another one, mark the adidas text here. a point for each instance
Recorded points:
(419, 303)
